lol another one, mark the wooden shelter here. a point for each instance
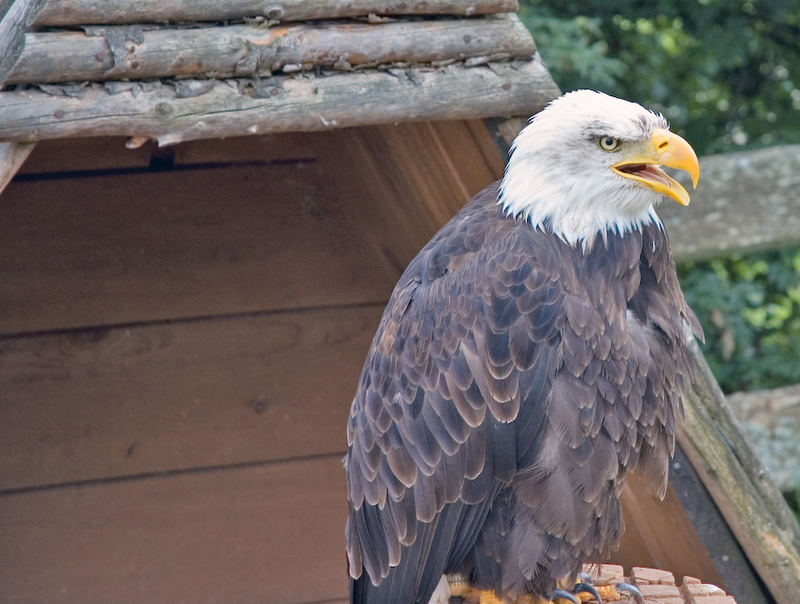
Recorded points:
(193, 260)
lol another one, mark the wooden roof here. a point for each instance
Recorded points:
(174, 71)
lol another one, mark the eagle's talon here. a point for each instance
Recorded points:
(560, 594)
(587, 588)
(585, 578)
(633, 590)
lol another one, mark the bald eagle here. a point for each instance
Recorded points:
(531, 355)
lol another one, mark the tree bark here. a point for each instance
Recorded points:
(115, 53)
(751, 504)
(79, 12)
(193, 109)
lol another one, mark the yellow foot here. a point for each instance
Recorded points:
(487, 596)
(460, 587)
(609, 593)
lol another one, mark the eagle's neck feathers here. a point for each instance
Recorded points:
(576, 210)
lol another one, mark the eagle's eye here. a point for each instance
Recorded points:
(609, 143)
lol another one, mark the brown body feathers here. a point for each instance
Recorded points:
(513, 382)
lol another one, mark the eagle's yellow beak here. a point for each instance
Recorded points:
(663, 149)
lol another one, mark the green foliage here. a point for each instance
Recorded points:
(793, 499)
(750, 310)
(725, 73)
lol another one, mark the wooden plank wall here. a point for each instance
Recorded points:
(181, 332)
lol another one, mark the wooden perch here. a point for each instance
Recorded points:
(194, 109)
(114, 53)
(751, 504)
(78, 12)
(745, 202)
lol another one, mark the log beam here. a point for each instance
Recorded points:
(745, 202)
(194, 109)
(12, 156)
(124, 53)
(751, 504)
(78, 12)
(15, 18)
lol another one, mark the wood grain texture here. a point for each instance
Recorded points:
(86, 154)
(77, 12)
(115, 53)
(15, 18)
(87, 405)
(12, 156)
(144, 247)
(254, 149)
(752, 505)
(435, 168)
(660, 534)
(260, 534)
(193, 109)
(81, 155)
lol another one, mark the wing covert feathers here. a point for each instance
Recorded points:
(511, 384)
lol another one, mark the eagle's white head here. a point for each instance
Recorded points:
(588, 164)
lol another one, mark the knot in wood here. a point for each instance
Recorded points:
(273, 12)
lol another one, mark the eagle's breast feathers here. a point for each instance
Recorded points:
(507, 358)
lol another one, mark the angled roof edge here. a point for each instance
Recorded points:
(171, 112)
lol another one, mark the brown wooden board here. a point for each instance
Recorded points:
(660, 534)
(252, 149)
(85, 155)
(101, 403)
(415, 176)
(144, 247)
(110, 153)
(273, 533)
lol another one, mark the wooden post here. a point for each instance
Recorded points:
(750, 503)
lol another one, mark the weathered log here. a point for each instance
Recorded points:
(80, 12)
(752, 505)
(114, 52)
(745, 202)
(193, 109)
(771, 421)
(12, 156)
(15, 18)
